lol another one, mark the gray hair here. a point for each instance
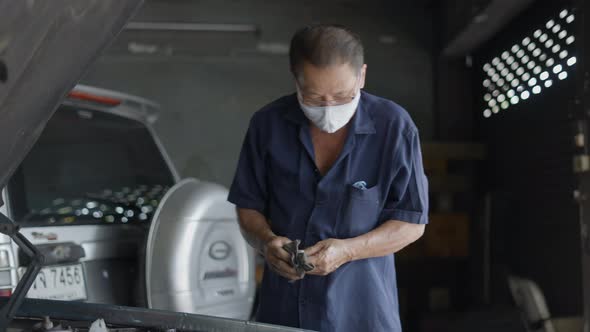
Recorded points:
(325, 45)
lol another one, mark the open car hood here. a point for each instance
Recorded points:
(45, 47)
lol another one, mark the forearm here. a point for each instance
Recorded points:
(255, 228)
(390, 237)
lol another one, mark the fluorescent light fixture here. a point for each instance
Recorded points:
(196, 27)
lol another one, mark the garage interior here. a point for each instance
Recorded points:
(486, 186)
(507, 246)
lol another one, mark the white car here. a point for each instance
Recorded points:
(100, 198)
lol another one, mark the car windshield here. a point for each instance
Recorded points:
(89, 167)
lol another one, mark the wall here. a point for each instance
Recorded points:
(209, 92)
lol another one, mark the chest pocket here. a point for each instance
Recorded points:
(358, 212)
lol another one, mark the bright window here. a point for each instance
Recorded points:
(531, 65)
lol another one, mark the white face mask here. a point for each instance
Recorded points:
(330, 118)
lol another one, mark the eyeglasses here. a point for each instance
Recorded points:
(337, 100)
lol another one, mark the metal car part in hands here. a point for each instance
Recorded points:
(298, 258)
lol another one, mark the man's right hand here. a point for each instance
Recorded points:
(279, 259)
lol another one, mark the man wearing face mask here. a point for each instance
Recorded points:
(340, 170)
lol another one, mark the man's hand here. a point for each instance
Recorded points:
(328, 255)
(279, 259)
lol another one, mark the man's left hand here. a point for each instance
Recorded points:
(328, 255)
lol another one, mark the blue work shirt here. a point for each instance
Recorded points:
(277, 176)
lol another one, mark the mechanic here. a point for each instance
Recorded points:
(341, 170)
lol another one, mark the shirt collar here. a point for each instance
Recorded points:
(362, 122)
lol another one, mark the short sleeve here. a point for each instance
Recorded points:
(407, 199)
(249, 189)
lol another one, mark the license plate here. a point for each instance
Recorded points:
(59, 282)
